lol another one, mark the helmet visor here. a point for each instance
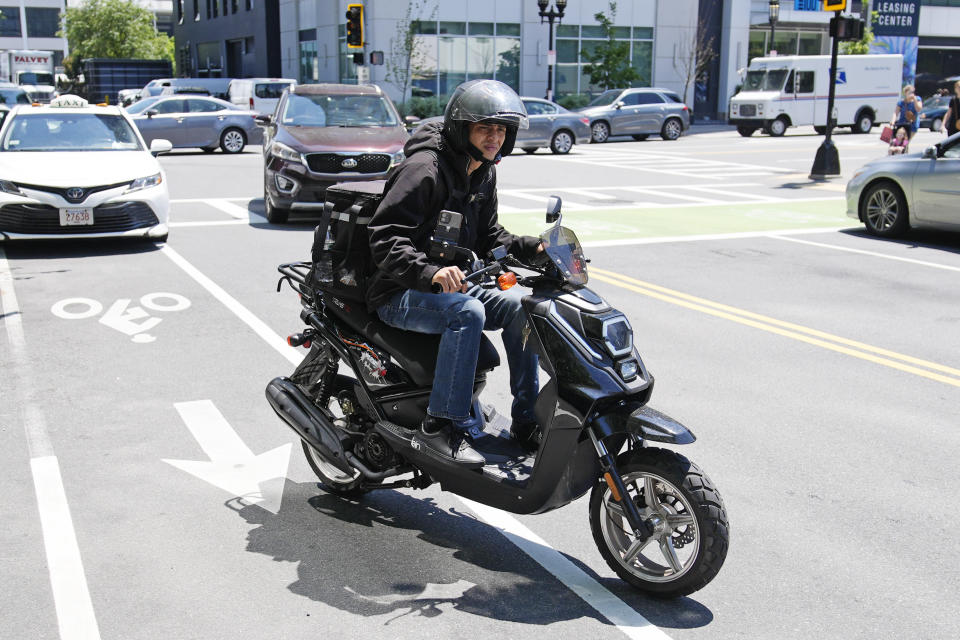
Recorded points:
(492, 101)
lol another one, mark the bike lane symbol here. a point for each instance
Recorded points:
(132, 321)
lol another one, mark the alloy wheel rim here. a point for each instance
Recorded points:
(563, 143)
(233, 141)
(673, 129)
(882, 210)
(330, 471)
(674, 547)
(600, 132)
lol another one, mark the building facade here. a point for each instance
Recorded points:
(227, 38)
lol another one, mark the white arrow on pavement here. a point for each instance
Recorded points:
(233, 467)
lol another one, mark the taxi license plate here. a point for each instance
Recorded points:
(71, 217)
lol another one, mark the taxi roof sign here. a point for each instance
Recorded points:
(69, 101)
(834, 5)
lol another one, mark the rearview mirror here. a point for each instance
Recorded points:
(930, 153)
(553, 209)
(263, 119)
(159, 145)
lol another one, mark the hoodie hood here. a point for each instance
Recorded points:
(431, 136)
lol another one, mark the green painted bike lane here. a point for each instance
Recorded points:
(605, 224)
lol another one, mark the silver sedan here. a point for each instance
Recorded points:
(195, 121)
(896, 193)
(552, 126)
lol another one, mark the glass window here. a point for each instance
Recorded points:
(425, 27)
(480, 28)
(537, 108)
(672, 97)
(452, 65)
(592, 32)
(70, 132)
(568, 31)
(142, 105)
(810, 44)
(174, 105)
(234, 6)
(453, 28)
(309, 67)
(649, 98)
(481, 58)
(216, 8)
(568, 51)
(758, 45)
(42, 23)
(13, 96)
(508, 62)
(805, 82)
(785, 43)
(508, 29)
(338, 110)
(642, 61)
(10, 23)
(621, 33)
(203, 106)
(196, 11)
(270, 89)
(631, 99)
(348, 70)
(643, 33)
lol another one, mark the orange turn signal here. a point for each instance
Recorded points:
(506, 280)
(613, 487)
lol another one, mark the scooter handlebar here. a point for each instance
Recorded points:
(474, 275)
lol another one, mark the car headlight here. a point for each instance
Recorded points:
(284, 152)
(145, 182)
(10, 187)
(397, 158)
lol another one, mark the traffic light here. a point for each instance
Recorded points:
(834, 5)
(354, 26)
(843, 28)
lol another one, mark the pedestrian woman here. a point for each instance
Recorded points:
(950, 119)
(907, 113)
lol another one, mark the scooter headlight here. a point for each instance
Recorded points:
(628, 369)
(617, 336)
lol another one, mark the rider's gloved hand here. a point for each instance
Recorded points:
(450, 280)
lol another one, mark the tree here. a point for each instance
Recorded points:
(692, 57)
(609, 62)
(113, 29)
(407, 56)
(861, 46)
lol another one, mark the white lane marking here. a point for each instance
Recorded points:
(589, 193)
(206, 223)
(867, 253)
(614, 609)
(232, 466)
(519, 193)
(71, 596)
(657, 191)
(259, 326)
(607, 188)
(238, 199)
(706, 237)
(725, 190)
(234, 210)
(590, 591)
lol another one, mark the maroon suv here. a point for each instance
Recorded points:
(321, 134)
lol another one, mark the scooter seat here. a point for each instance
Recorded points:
(415, 352)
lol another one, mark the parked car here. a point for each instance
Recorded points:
(126, 97)
(217, 87)
(4, 110)
(196, 121)
(69, 169)
(259, 94)
(552, 126)
(638, 113)
(322, 134)
(12, 95)
(895, 193)
(934, 109)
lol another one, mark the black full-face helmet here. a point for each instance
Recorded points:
(483, 101)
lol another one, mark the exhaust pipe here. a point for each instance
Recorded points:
(300, 414)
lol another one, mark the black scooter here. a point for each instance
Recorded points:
(656, 518)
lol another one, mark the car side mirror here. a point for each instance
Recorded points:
(554, 203)
(159, 145)
(150, 113)
(618, 105)
(930, 153)
(411, 120)
(263, 119)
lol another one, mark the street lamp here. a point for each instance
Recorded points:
(774, 9)
(551, 54)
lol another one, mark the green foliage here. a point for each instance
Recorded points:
(862, 46)
(609, 62)
(113, 29)
(425, 107)
(574, 101)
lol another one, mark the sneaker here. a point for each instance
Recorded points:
(440, 438)
(527, 434)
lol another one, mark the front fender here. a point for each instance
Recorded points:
(644, 421)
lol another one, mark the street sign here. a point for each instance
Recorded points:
(807, 5)
(363, 75)
(551, 57)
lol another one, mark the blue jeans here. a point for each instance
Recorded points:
(460, 319)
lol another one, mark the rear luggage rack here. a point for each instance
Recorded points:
(296, 274)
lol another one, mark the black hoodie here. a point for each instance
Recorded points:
(415, 194)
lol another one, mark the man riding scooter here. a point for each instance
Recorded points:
(450, 167)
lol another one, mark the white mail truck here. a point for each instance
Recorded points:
(792, 91)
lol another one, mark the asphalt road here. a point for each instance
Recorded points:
(818, 367)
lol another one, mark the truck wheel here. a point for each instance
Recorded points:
(863, 124)
(778, 127)
(745, 131)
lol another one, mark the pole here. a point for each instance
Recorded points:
(773, 31)
(827, 161)
(549, 64)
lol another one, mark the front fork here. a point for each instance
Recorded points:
(641, 529)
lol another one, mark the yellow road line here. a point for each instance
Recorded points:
(814, 337)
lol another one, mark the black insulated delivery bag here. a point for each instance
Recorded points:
(342, 262)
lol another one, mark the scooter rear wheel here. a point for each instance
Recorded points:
(331, 478)
(691, 532)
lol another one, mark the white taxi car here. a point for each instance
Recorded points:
(71, 169)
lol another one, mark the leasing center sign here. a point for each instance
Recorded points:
(896, 17)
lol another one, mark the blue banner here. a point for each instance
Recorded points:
(899, 18)
(807, 5)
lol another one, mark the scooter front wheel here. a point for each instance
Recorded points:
(691, 532)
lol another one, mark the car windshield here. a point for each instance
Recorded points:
(69, 132)
(763, 80)
(142, 105)
(605, 98)
(563, 248)
(936, 102)
(11, 97)
(32, 77)
(338, 111)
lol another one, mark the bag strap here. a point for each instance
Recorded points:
(320, 233)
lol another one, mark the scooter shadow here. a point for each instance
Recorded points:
(389, 553)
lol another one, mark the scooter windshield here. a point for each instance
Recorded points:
(563, 248)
